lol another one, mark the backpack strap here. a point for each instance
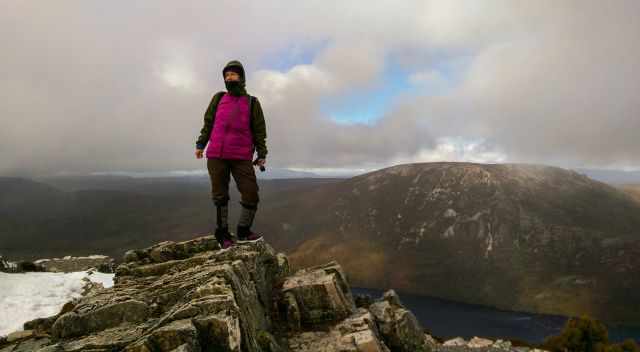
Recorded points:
(251, 114)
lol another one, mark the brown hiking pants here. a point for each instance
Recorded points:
(244, 175)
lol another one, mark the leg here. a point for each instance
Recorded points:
(245, 177)
(219, 173)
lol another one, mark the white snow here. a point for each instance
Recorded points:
(27, 296)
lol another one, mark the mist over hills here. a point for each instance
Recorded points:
(107, 214)
(615, 177)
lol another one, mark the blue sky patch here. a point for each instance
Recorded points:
(298, 53)
(368, 104)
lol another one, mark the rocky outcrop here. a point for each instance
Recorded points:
(101, 263)
(13, 267)
(67, 264)
(192, 296)
(7, 266)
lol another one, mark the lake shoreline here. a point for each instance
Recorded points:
(449, 319)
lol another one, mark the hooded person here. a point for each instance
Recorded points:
(234, 129)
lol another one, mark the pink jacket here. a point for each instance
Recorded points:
(231, 137)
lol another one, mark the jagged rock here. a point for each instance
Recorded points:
(477, 342)
(28, 266)
(322, 291)
(90, 287)
(101, 318)
(67, 264)
(40, 324)
(27, 345)
(458, 341)
(356, 333)
(179, 334)
(131, 256)
(399, 327)
(194, 300)
(292, 311)
(69, 324)
(7, 266)
(192, 297)
(362, 300)
(268, 342)
(502, 344)
(17, 335)
(392, 297)
(44, 325)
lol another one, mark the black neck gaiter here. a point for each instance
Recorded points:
(235, 87)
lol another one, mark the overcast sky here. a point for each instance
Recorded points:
(95, 86)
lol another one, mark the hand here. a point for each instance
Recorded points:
(199, 153)
(260, 162)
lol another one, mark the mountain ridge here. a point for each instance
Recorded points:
(475, 232)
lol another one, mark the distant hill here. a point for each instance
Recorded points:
(513, 236)
(106, 214)
(615, 177)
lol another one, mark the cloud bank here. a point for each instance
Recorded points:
(90, 86)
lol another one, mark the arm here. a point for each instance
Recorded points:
(259, 129)
(209, 117)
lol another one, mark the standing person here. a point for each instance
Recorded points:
(234, 127)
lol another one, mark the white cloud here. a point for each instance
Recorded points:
(124, 88)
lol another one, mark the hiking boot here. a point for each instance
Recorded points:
(224, 238)
(246, 235)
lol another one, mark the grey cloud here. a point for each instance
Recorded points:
(85, 88)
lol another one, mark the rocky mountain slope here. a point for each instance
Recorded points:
(632, 189)
(513, 236)
(191, 296)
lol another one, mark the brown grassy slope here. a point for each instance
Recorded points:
(631, 189)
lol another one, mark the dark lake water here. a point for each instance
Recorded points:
(448, 319)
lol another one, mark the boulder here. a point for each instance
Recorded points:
(399, 327)
(357, 333)
(458, 341)
(317, 295)
(478, 342)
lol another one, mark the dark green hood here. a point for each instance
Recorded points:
(238, 65)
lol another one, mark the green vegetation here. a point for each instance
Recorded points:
(585, 334)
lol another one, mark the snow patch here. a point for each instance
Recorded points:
(27, 296)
